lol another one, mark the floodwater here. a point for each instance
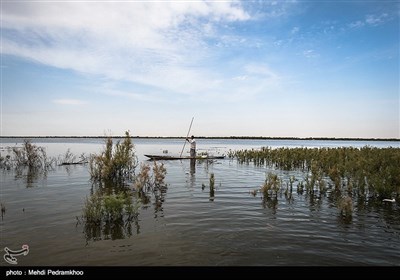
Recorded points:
(233, 228)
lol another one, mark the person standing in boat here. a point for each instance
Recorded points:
(192, 142)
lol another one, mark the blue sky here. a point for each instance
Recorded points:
(240, 68)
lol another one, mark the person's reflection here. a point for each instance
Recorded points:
(192, 172)
(192, 166)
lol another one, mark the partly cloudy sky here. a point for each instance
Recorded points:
(240, 68)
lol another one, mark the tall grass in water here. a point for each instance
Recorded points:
(114, 205)
(159, 173)
(143, 179)
(153, 182)
(116, 163)
(346, 175)
(367, 172)
(160, 187)
(110, 209)
(146, 181)
(29, 155)
(29, 162)
(271, 185)
(35, 158)
(109, 216)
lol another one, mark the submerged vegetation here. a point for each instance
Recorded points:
(109, 216)
(368, 172)
(114, 164)
(350, 178)
(118, 193)
(29, 156)
(271, 185)
(28, 161)
(35, 158)
(147, 183)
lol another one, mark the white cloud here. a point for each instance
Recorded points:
(376, 19)
(295, 30)
(370, 20)
(254, 79)
(310, 53)
(241, 78)
(69, 101)
(261, 70)
(356, 24)
(155, 44)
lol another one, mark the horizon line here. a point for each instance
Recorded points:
(220, 137)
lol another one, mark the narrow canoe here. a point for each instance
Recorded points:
(164, 157)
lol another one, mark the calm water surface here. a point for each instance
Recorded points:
(232, 229)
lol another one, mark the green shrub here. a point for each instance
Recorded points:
(114, 164)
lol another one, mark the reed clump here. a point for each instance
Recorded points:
(114, 205)
(151, 181)
(368, 171)
(289, 187)
(109, 216)
(28, 156)
(159, 173)
(28, 161)
(149, 178)
(34, 159)
(116, 163)
(112, 208)
(143, 179)
(271, 185)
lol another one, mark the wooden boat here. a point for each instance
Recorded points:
(165, 157)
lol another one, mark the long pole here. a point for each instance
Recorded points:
(187, 136)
